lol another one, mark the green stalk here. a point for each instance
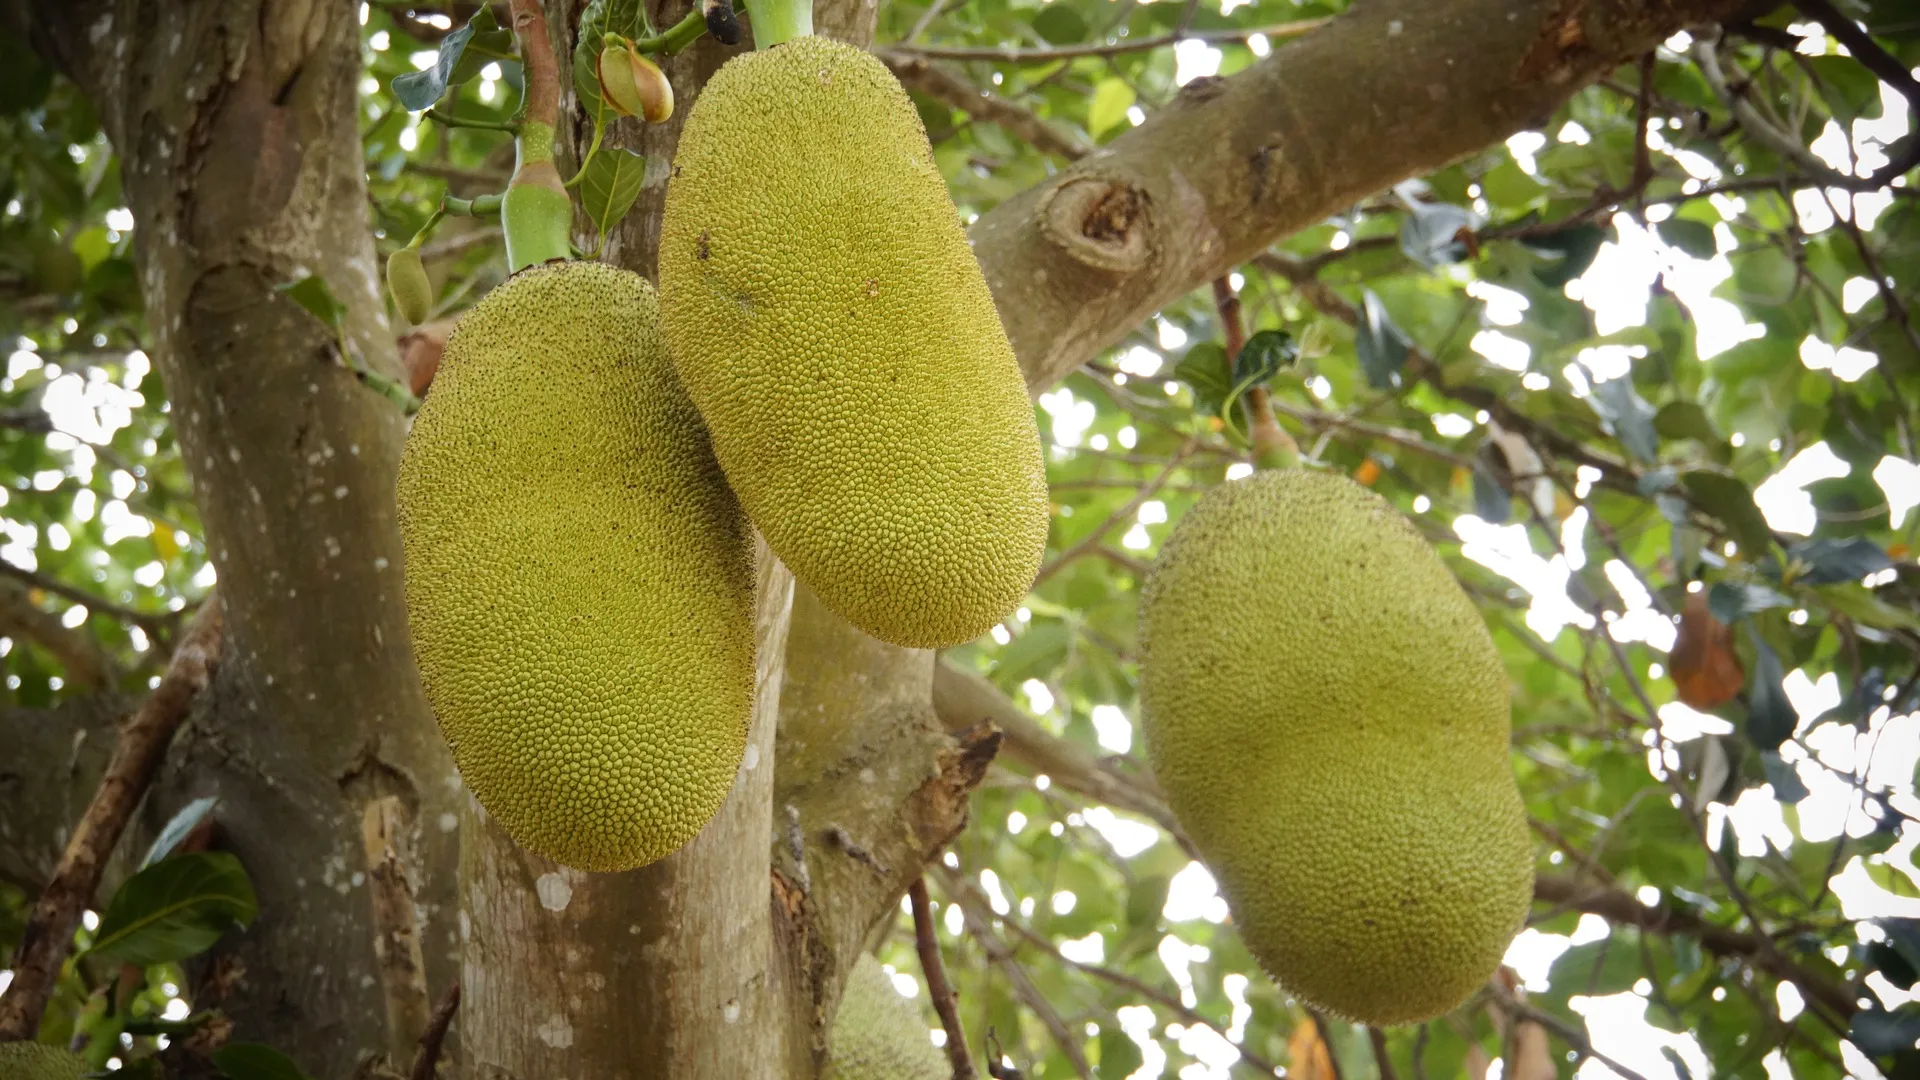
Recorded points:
(678, 36)
(775, 21)
(536, 214)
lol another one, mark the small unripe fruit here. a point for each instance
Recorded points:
(632, 84)
(407, 282)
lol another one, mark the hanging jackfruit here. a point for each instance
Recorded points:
(827, 316)
(1330, 720)
(579, 578)
(879, 1035)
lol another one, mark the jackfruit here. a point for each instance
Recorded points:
(827, 316)
(879, 1035)
(579, 579)
(38, 1061)
(408, 284)
(1330, 720)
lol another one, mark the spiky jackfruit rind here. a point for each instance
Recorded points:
(879, 1035)
(579, 579)
(829, 319)
(1330, 720)
(38, 1061)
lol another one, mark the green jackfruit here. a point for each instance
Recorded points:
(1329, 718)
(879, 1035)
(828, 318)
(408, 284)
(579, 579)
(38, 1061)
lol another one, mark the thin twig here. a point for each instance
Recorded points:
(137, 755)
(1094, 539)
(918, 73)
(156, 624)
(1002, 957)
(1569, 1034)
(1871, 56)
(1015, 55)
(928, 946)
(431, 1039)
(396, 926)
(1380, 1059)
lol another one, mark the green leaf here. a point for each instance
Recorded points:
(1731, 601)
(1571, 251)
(613, 180)
(176, 908)
(1260, 359)
(1728, 498)
(1770, 716)
(1429, 234)
(1491, 502)
(419, 90)
(1828, 561)
(1878, 1032)
(177, 828)
(1111, 100)
(1627, 416)
(255, 1061)
(1204, 370)
(1035, 653)
(1382, 346)
(1059, 24)
(1787, 786)
(1119, 1054)
(24, 77)
(1849, 89)
(311, 292)
(1693, 237)
(1685, 420)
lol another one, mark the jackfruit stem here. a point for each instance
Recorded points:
(775, 21)
(536, 215)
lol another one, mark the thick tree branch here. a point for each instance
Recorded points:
(1017, 55)
(917, 73)
(1385, 91)
(142, 746)
(1626, 910)
(963, 699)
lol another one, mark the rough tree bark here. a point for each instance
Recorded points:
(235, 121)
(236, 126)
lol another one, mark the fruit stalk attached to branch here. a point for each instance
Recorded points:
(536, 213)
(1273, 448)
(775, 21)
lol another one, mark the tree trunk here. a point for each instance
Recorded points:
(235, 122)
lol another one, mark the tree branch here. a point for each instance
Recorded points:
(1015, 55)
(425, 1062)
(928, 946)
(1569, 1034)
(1093, 540)
(1750, 948)
(85, 663)
(137, 757)
(1233, 164)
(917, 73)
(156, 624)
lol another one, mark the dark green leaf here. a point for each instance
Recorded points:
(1491, 501)
(1692, 237)
(1787, 786)
(24, 77)
(1878, 1032)
(1262, 357)
(1888, 961)
(1828, 561)
(1119, 1054)
(1627, 416)
(1904, 936)
(1059, 24)
(255, 1061)
(177, 829)
(1382, 346)
(419, 90)
(1684, 420)
(1430, 233)
(1731, 601)
(1728, 498)
(613, 180)
(1204, 370)
(311, 292)
(1770, 716)
(176, 908)
(1571, 251)
(1850, 89)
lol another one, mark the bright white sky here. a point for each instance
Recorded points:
(88, 407)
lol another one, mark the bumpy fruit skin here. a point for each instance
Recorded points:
(38, 1061)
(828, 318)
(1330, 720)
(579, 579)
(879, 1035)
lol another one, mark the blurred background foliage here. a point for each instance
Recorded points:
(1645, 376)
